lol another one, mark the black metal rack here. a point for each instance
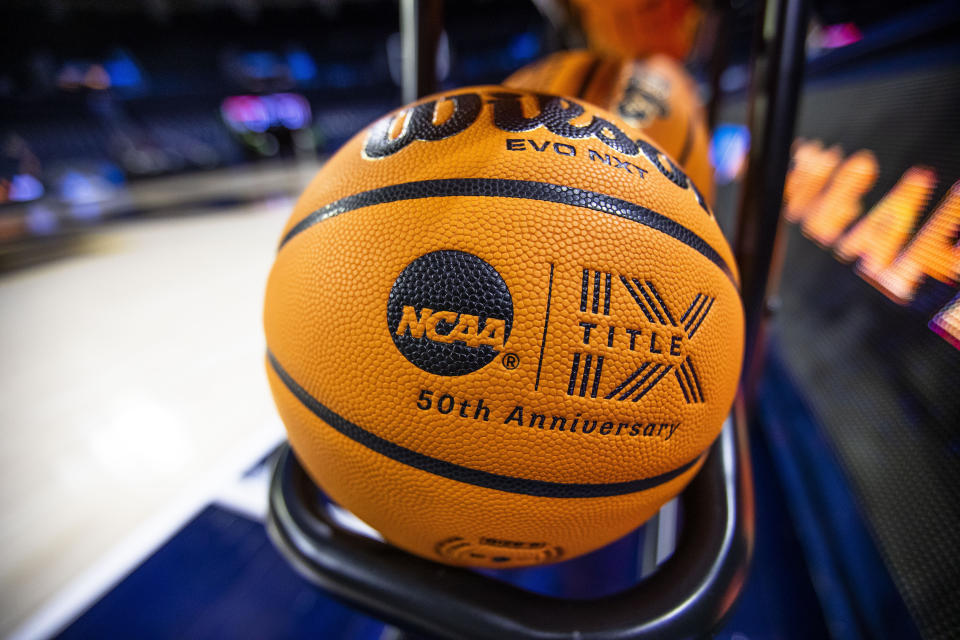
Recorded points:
(690, 593)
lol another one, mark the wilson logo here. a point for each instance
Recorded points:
(449, 313)
(450, 326)
(645, 98)
(455, 113)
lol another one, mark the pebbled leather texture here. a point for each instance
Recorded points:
(497, 347)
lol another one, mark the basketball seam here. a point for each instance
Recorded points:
(460, 473)
(687, 143)
(519, 189)
(588, 76)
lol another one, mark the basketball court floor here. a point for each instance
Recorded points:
(132, 392)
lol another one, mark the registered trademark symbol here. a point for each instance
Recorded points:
(510, 361)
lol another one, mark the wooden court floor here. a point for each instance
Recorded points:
(132, 387)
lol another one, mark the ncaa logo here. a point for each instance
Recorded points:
(449, 313)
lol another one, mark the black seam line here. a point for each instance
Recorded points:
(665, 371)
(596, 377)
(588, 76)
(686, 374)
(522, 190)
(696, 378)
(546, 323)
(690, 308)
(636, 299)
(585, 287)
(574, 368)
(686, 396)
(687, 143)
(662, 304)
(629, 392)
(452, 471)
(606, 296)
(703, 317)
(596, 292)
(586, 375)
(695, 315)
(627, 381)
(646, 296)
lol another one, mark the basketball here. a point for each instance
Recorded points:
(637, 28)
(579, 73)
(654, 94)
(503, 327)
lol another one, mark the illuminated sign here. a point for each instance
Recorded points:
(258, 113)
(823, 195)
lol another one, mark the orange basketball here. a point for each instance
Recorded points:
(636, 28)
(501, 330)
(654, 95)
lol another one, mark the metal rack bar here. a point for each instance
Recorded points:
(421, 22)
(776, 77)
(690, 594)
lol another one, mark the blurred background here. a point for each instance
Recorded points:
(98, 96)
(150, 152)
